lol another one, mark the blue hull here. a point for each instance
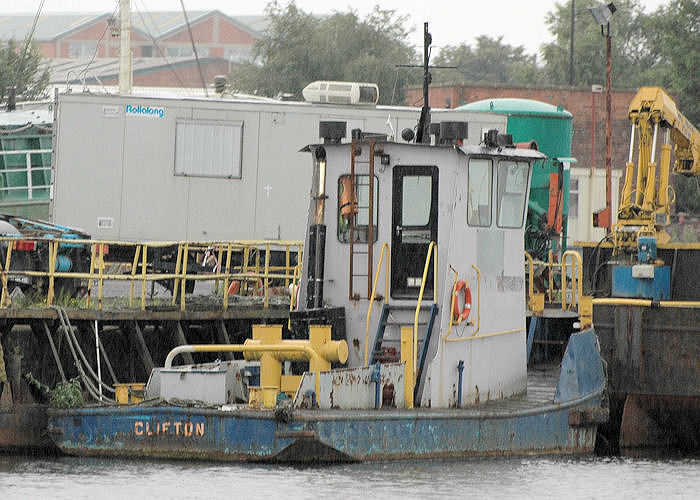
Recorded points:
(515, 426)
(326, 436)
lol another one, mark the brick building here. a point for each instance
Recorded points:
(84, 48)
(153, 34)
(587, 108)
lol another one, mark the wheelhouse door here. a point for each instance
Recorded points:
(415, 225)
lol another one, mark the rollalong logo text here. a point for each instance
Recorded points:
(145, 111)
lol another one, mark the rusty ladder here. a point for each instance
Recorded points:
(356, 152)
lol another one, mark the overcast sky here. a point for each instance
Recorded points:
(520, 22)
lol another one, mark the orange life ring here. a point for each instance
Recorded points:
(463, 292)
(348, 200)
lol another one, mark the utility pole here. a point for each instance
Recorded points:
(125, 73)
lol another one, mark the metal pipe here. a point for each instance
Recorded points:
(377, 379)
(311, 355)
(385, 247)
(691, 304)
(478, 299)
(460, 368)
(608, 128)
(97, 357)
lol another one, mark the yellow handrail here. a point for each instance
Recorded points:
(432, 251)
(385, 248)
(97, 273)
(478, 300)
(576, 279)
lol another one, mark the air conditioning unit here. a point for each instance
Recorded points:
(341, 92)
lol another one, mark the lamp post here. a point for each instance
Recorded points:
(602, 14)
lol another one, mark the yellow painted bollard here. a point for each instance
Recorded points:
(407, 359)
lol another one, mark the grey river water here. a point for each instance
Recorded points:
(531, 477)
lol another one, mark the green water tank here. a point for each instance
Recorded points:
(551, 126)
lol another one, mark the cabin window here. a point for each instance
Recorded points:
(208, 149)
(479, 202)
(573, 198)
(512, 190)
(357, 205)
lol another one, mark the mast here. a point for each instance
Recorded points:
(423, 132)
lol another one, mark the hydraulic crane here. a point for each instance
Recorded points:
(645, 203)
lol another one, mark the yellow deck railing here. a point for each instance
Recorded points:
(249, 262)
(385, 250)
(564, 288)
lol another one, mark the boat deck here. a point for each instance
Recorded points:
(541, 387)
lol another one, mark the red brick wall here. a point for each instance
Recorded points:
(202, 32)
(48, 50)
(229, 33)
(577, 101)
(214, 32)
(188, 74)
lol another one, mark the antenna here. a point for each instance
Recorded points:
(423, 129)
(423, 132)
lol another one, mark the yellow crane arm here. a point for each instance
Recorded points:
(652, 111)
(644, 204)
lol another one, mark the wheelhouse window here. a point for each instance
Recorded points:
(356, 205)
(573, 198)
(479, 193)
(512, 190)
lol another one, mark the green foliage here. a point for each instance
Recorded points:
(675, 32)
(30, 81)
(299, 48)
(635, 61)
(490, 61)
(67, 394)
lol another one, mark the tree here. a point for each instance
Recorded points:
(298, 48)
(24, 74)
(635, 61)
(674, 30)
(490, 61)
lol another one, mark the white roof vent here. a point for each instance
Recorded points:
(341, 92)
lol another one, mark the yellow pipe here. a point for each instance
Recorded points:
(485, 335)
(576, 278)
(178, 265)
(228, 268)
(100, 282)
(185, 258)
(6, 270)
(307, 351)
(431, 249)
(267, 271)
(612, 301)
(385, 247)
(93, 256)
(144, 261)
(478, 300)
(134, 266)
